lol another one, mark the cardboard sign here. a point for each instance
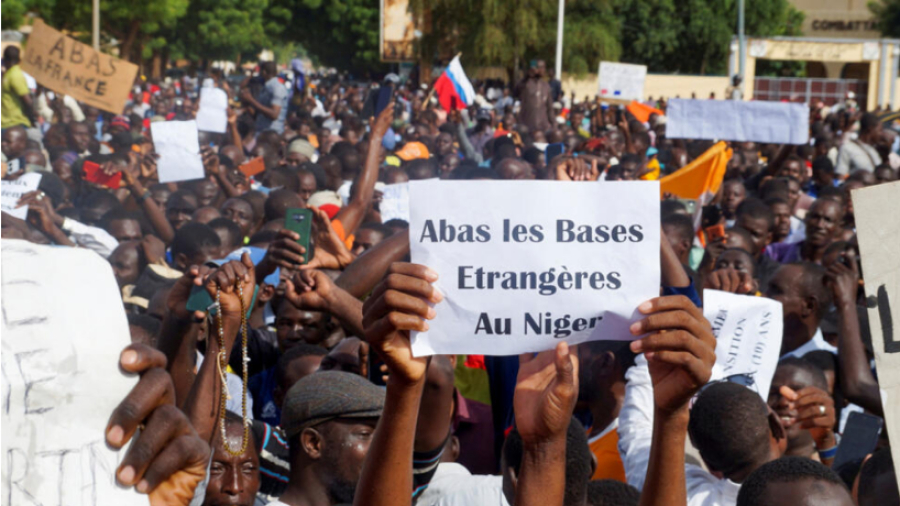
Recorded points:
(212, 116)
(67, 66)
(63, 329)
(12, 190)
(253, 167)
(621, 81)
(395, 202)
(178, 146)
(734, 120)
(94, 174)
(748, 334)
(518, 277)
(877, 211)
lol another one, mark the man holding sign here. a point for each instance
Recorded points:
(519, 278)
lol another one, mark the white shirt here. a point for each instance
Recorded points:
(454, 485)
(635, 437)
(817, 342)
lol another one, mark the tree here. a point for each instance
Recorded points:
(13, 13)
(887, 12)
(338, 33)
(649, 32)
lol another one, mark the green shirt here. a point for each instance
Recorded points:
(14, 88)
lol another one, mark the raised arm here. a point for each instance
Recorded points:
(395, 309)
(314, 290)
(353, 213)
(151, 209)
(857, 381)
(545, 395)
(363, 274)
(680, 350)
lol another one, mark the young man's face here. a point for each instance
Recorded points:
(125, 263)
(233, 481)
(822, 222)
(735, 260)
(365, 239)
(759, 231)
(782, 214)
(293, 326)
(79, 137)
(179, 211)
(125, 230)
(732, 196)
(240, 212)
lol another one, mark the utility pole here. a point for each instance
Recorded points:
(96, 22)
(742, 41)
(559, 38)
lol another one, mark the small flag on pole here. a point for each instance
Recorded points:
(453, 88)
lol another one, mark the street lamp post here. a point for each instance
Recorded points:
(559, 38)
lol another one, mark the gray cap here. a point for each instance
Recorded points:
(328, 395)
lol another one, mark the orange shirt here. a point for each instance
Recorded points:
(339, 229)
(605, 448)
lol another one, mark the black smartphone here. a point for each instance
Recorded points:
(300, 221)
(859, 438)
(385, 94)
(201, 300)
(554, 150)
(618, 114)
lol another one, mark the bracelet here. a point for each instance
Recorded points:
(828, 453)
(144, 195)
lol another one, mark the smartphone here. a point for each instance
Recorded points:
(300, 221)
(385, 93)
(618, 114)
(715, 233)
(554, 150)
(859, 438)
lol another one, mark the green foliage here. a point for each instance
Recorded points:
(222, 29)
(887, 12)
(13, 13)
(338, 33)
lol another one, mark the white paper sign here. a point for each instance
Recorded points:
(734, 120)
(748, 334)
(622, 80)
(877, 211)
(178, 146)
(63, 329)
(537, 262)
(212, 116)
(12, 190)
(395, 202)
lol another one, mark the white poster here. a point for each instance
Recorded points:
(518, 277)
(877, 211)
(395, 202)
(622, 81)
(734, 120)
(748, 334)
(212, 116)
(11, 190)
(178, 145)
(63, 329)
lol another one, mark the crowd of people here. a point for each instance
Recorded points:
(338, 409)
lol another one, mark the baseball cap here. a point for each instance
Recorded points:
(412, 151)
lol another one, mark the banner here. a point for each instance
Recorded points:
(397, 32)
(519, 277)
(734, 120)
(67, 66)
(621, 81)
(63, 329)
(178, 145)
(877, 211)
(748, 334)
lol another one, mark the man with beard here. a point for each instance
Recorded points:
(329, 419)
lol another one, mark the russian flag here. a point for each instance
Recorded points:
(453, 88)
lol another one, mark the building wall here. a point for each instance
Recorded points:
(656, 86)
(837, 19)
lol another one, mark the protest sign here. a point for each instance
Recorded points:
(734, 120)
(621, 81)
(748, 334)
(395, 202)
(877, 211)
(212, 116)
(518, 277)
(12, 191)
(67, 66)
(63, 329)
(178, 145)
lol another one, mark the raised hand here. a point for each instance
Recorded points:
(225, 280)
(331, 252)
(731, 281)
(843, 278)
(310, 289)
(398, 305)
(383, 122)
(168, 460)
(680, 349)
(546, 391)
(815, 412)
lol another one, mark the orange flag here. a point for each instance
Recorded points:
(700, 178)
(642, 112)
